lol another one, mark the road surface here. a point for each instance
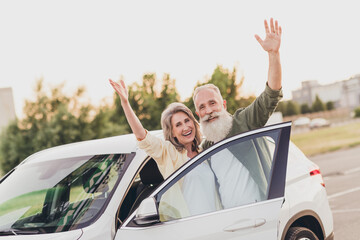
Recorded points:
(341, 173)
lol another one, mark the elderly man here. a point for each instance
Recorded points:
(217, 124)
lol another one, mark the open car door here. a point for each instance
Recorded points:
(233, 190)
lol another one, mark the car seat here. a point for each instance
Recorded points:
(150, 178)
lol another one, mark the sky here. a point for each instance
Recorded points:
(84, 43)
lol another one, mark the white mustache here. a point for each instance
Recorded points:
(211, 115)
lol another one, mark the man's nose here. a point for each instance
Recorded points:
(208, 110)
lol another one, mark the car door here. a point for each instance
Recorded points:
(233, 190)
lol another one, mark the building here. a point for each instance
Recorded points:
(7, 108)
(351, 92)
(344, 94)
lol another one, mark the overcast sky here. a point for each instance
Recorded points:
(83, 43)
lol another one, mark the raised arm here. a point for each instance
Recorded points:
(271, 44)
(133, 120)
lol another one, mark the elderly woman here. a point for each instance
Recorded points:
(182, 138)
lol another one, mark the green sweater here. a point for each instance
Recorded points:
(258, 160)
(253, 116)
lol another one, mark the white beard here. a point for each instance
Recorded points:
(218, 129)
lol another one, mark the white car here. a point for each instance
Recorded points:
(110, 189)
(319, 123)
(302, 122)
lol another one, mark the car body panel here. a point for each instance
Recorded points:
(256, 221)
(304, 194)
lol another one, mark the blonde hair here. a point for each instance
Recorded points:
(167, 127)
(206, 86)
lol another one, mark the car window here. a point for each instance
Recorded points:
(60, 195)
(232, 175)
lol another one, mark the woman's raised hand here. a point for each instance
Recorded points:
(132, 119)
(121, 90)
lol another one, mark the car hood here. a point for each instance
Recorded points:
(70, 235)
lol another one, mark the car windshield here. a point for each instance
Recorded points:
(59, 195)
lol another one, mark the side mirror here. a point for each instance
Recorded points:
(147, 212)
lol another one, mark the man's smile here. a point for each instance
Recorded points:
(212, 118)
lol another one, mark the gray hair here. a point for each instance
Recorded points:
(206, 86)
(167, 127)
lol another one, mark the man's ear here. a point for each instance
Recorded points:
(224, 103)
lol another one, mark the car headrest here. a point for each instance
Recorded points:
(150, 173)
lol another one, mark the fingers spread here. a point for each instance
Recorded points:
(266, 27)
(272, 25)
(258, 39)
(122, 83)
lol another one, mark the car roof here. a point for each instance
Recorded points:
(118, 144)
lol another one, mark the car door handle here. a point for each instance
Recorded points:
(244, 224)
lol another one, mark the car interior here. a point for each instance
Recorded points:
(143, 185)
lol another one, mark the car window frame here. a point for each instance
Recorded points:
(273, 192)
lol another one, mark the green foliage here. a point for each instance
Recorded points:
(55, 118)
(229, 87)
(288, 108)
(14, 146)
(147, 102)
(52, 119)
(292, 108)
(357, 112)
(330, 105)
(281, 107)
(103, 126)
(318, 105)
(304, 108)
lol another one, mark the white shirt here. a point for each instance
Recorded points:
(199, 190)
(236, 186)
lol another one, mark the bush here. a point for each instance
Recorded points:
(318, 105)
(357, 112)
(304, 108)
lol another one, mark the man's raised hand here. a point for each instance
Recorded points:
(272, 41)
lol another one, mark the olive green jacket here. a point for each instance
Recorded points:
(254, 155)
(253, 116)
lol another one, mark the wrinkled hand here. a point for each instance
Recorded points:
(271, 44)
(120, 89)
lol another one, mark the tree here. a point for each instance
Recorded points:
(14, 146)
(330, 105)
(229, 86)
(357, 112)
(288, 108)
(168, 94)
(304, 108)
(103, 126)
(318, 105)
(281, 107)
(147, 102)
(291, 109)
(51, 119)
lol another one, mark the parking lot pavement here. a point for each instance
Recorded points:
(341, 173)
